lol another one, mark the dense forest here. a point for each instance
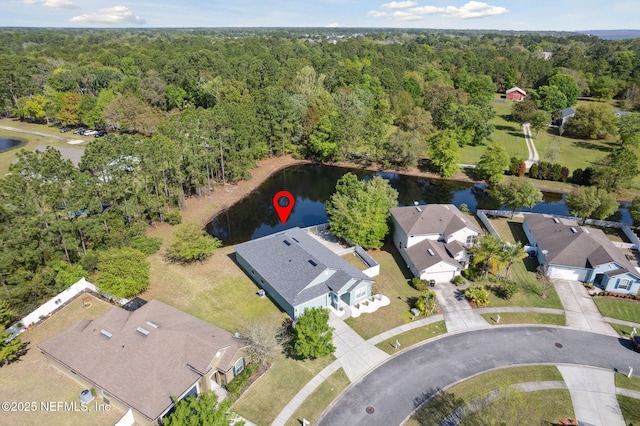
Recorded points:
(187, 110)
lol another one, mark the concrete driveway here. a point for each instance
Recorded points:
(394, 389)
(580, 310)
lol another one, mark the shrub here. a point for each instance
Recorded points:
(238, 382)
(478, 295)
(146, 244)
(192, 243)
(173, 217)
(90, 261)
(576, 176)
(123, 272)
(506, 289)
(419, 284)
(458, 280)
(533, 171)
(464, 208)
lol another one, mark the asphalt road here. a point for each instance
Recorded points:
(395, 388)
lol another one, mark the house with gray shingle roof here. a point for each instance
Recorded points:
(141, 360)
(432, 239)
(298, 272)
(567, 250)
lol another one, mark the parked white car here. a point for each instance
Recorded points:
(90, 132)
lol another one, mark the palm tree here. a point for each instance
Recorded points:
(427, 302)
(510, 254)
(486, 252)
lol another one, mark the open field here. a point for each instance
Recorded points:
(393, 283)
(31, 379)
(618, 308)
(409, 338)
(320, 399)
(264, 400)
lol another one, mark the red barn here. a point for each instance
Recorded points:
(516, 94)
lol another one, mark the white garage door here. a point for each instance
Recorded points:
(440, 277)
(568, 274)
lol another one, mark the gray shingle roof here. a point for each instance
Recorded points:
(569, 244)
(431, 219)
(144, 372)
(423, 259)
(292, 259)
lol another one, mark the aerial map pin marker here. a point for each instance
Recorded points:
(283, 211)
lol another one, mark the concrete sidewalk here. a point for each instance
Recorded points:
(580, 310)
(458, 314)
(593, 394)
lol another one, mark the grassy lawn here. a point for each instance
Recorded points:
(30, 143)
(393, 283)
(268, 396)
(618, 309)
(216, 291)
(411, 337)
(320, 399)
(623, 330)
(525, 318)
(624, 382)
(33, 379)
(630, 408)
(510, 229)
(551, 406)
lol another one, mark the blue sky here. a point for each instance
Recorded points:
(567, 15)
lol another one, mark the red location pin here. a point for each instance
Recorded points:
(283, 211)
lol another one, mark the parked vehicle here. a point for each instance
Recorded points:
(65, 129)
(635, 343)
(79, 131)
(100, 134)
(90, 132)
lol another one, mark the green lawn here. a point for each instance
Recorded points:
(393, 283)
(624, 382)
(630, 408)
(315, 404)
(264, 400)
(411, 337)
(618, 309)
(525, 318)
(623, 330)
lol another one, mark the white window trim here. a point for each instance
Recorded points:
(238, 369)
(624, 284)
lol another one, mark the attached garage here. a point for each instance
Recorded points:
(574, 274)
(441, 272)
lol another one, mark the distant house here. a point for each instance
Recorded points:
(298, 272)
(432, 239)
(140, 360)
(569, 251)
(564, 115)
(516, 94)
(619, 113)
(547, 55)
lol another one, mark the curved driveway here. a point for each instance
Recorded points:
(396, 387)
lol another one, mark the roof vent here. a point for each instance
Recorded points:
(106, 333)
(142, 331)
(312, 263)
(430, 252)
(556, 220)
(287, 242)
(574, 230)
(152, 324)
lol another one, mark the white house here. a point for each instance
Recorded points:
(432, 239)
(569, 251)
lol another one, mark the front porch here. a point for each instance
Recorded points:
(367, 306)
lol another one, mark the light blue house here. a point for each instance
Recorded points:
(569, 251)
(298, 272)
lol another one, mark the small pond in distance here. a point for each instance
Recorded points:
(7, 144)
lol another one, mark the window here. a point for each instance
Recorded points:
(624, 284)
(360, 293)
(106, 397)
(471, 239)
(238, 367)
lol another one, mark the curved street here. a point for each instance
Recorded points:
(396, 387)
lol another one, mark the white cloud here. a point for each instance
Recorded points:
(474, 9)
(406, 16)
(427, 10)
(333, 25)
(399, 5)
(111, 15)
(376, 14)
(58, 4)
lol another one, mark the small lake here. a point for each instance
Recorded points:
(7, 144)
(313, 184)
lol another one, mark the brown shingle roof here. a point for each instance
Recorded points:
(431, 219)
(423, 259)
(144, 371)
(570, 244)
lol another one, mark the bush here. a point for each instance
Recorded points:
(533, 171)
(192, 243)
(173, 217)
(238, 382)
(464, 208)
(458, 280)
(506, 289)
(419, 284)
(123, 272)
(146, 244)
(90, 261)
(478, 295)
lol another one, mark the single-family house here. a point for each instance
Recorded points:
(564, 115)
(141, 360)
(547, 55)
(432, 239)
(569, 251)
(298, 272)
(516, 94)
(620, 113)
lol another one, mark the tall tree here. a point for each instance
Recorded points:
(517, 193)
(312, 336)
(123, 272)
(567, 85)
(9, 349)
(617, 169)
(593, 121)
(444, 153)
(203, 409)
(590, 201)
(493, 163)
(510, 254)
(486, 252)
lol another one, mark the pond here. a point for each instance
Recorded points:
(7, 144)
(313, 184)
